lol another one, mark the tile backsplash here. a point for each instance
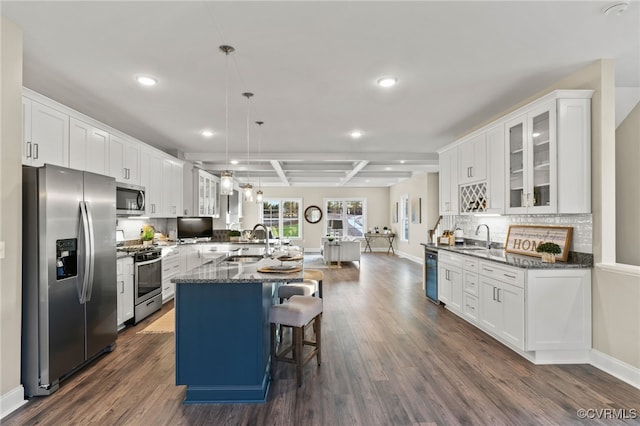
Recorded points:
(499, 226)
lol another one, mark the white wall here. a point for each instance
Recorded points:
(11, 391)
(627, 189)
(425, 187)
(377, 208)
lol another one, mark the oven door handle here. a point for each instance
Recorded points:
(148, 262)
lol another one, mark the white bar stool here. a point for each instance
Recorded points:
(298, 312)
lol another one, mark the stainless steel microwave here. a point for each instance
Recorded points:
(129, 200)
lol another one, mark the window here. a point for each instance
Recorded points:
(345, 217)
(283, 217)
(404, 217)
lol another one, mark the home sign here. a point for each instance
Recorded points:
(525, 239)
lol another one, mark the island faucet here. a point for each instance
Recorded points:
(266, 237)
(488, 243)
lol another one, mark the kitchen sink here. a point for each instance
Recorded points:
(244, 258)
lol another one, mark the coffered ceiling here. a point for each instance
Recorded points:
(313, 68)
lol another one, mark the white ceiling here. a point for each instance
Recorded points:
(312, 67)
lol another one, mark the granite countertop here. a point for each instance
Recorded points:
(220, 272)
(576, 260)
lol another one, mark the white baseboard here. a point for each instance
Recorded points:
(11, 401)
(621, 370)
(416, 259)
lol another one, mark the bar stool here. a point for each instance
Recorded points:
(305, 288)
(315, 275)
(298, 312)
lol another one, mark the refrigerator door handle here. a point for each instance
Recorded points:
(87, 251)
(92, 251)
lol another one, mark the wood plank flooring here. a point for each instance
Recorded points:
(390, 357)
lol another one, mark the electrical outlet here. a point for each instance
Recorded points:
(1, 249)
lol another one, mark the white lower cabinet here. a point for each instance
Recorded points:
(450, 281)
(502, 310)
(170, 269)
(124, 281)
(543, 314)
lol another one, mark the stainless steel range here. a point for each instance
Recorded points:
(147, 280)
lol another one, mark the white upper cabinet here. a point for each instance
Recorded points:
(472, 160)
(531, 156)
(45, 135)
(124, 159)
(207, 190)
(172, 188)
(88, 147)
(495, 170)
(448, 180)
(151, 164)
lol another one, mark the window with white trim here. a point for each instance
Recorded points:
(345, 217)
(283, 217)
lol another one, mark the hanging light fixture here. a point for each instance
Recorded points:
(226, 177)
(259, 193)
(247, 188)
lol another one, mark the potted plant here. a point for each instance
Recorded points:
(147, 233)
(234, 235)
(549, 251)
(385, 230)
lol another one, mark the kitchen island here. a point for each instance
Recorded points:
(222, 330)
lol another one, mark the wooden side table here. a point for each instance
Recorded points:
(370, 236)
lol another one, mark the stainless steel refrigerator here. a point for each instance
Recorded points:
(68, 273)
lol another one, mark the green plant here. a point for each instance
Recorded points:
(147, 232)
(549, 247)
(234, 233)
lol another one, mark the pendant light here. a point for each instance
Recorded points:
(226, 177)
(247, 188)
(259, 193)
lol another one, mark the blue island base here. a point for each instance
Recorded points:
(227, 394)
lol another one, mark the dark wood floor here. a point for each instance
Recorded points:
(390, 357)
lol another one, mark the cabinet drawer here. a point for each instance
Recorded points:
(469, 264)
(514, 276)
(470, 307)
(470, 283)
(450, 258)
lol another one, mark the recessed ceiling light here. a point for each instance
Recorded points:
(387, 81)
(401, 161)
(356, 134)
(387, 169)
(234, 162)
(146, 80)
(206, 133)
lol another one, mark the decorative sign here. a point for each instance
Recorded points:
(524, 239)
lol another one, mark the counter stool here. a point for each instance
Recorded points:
(298, 312)
(316, 275)
(305, 288)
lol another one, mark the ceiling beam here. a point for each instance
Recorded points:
(276, 166)
(353, 172)
(317, 156)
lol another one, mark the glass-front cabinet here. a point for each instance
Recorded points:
(531, 156)
(208, 190)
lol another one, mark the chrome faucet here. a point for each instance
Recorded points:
(266, 238)
(488, 243)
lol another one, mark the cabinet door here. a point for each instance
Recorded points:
(27, 144)
(511, 299)
(541, 159)
(490, 310)
(88, 147)
(127, 307)
(49, 136)
(445, 289)
(171, 188)
(124, 160)
(472, 160)
(516, 153)
(495, 170)
(450, 286)
(448, 164)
